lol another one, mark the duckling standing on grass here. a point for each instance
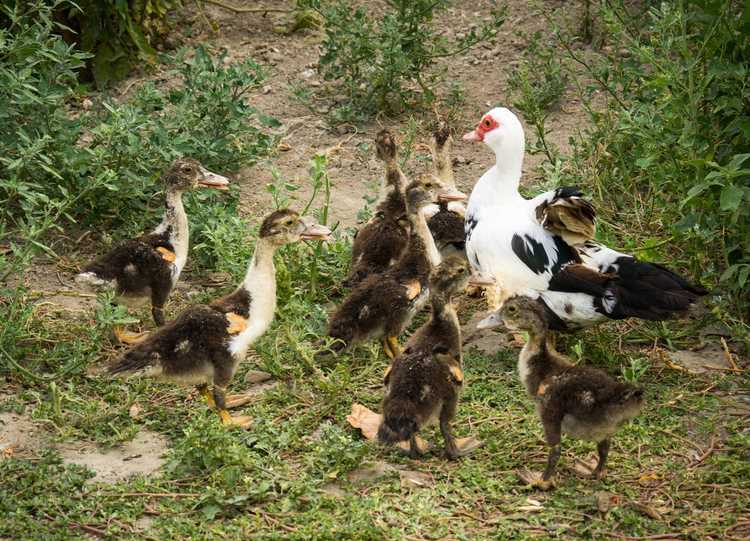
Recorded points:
(383, 305)
(150, 265)
(424, 382)
(206, 343)
(584, 403)
(380, 243)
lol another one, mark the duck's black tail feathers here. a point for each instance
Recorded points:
(647, 291)
(399, 421)
(627, 287)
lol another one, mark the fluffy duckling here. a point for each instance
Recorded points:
(446, 220)
(582, 402)
(380, 243)
(204, 345)
(383, 305)
(149, 266)
(424, 382)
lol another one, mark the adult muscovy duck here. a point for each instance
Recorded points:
(543, 247)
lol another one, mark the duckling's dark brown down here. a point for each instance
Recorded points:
(138, 268)
(424, 382)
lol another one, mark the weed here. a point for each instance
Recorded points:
(537, 85)
(383, 64)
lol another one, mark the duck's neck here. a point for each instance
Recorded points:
(445, 320)
(421, 235)
(260, 285)
(499, 185)
(175, 221)
(261, 267)
(534, 362)
(394, 178)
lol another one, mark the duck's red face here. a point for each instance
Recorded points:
(487, 124)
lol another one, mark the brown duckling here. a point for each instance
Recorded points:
(380, 243)
(424, 382)
(204, 345)
(446, 220)
(149, 266)
(582, 402)
(383, 305)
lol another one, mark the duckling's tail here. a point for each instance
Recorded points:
(135, 360)
(399, 421)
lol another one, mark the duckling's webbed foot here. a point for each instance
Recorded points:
(451, 449)
(127, 337)
(391, 347)
(206, 393)
(414, 448)
(241, 421)
(600, 470)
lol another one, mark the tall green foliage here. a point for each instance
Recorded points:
(61, 163)
(383, 63)
(673, 148)
(118, 33)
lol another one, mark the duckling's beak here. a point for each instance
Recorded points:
(212, 180)
(314, 231)
(491, 321)
(452, 195)
(480, 280)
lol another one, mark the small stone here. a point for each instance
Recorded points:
(307, 73)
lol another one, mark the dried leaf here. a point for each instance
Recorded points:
(135, 411)
(606, 500)
(369, 473)
(368, 422)
(412, 479)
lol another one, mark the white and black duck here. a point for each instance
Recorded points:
(544, 248)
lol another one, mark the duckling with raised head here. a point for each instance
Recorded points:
(581, 402)
(423, 383)
(383, 305)
(149, 266)
(446, 220)
(204, 345)
(380, 243)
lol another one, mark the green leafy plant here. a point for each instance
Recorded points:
(537, 85)
(117, 33)
(383, 63)
(670, 149)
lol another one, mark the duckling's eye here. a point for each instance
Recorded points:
(428, 185)
(289, 222)
(187, 169)
(512, 309)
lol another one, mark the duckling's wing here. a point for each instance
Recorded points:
(133, 260)
(198, 334)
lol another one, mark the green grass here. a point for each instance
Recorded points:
(685, 457)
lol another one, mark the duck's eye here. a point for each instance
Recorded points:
(487, 122)
(512, 309)
(187, 169)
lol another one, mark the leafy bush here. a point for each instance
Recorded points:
(96, 166)
(383, 64)
(672, 150)
(117, 33)
(537, 84)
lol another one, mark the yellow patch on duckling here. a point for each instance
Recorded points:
(237, 323)
(457, 373)
(167, 254)
(387, 372)
(413, 289)
(542, 389)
